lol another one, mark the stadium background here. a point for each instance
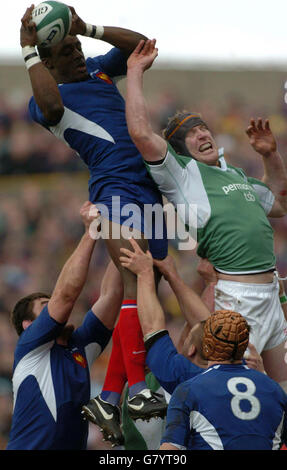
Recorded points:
(43, 184)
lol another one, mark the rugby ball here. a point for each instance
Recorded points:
(53, 22)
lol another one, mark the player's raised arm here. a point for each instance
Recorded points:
(192, 307)
(122, 38)
(151, 146)
(108, 305)
(45, 89)
(263, 141)
(150, 313)
(74, 273)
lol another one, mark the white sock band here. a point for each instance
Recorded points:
(30, 56)
(95, 32)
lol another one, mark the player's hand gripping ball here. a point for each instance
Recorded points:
(53, 22)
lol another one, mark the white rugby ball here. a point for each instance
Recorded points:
(53, 22)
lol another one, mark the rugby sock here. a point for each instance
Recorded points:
(116, 375)
(133, 348)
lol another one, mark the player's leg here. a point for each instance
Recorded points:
(105, 414)
(128, 346)
(130, 333)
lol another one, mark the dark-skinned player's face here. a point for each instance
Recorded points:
(67, 61)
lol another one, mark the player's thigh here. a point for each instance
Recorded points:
(116, 237)
(275, 362)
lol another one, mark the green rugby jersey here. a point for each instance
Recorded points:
(230, 220)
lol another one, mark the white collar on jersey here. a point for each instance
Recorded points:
(221, 159)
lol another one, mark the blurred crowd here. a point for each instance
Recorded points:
(43, 185)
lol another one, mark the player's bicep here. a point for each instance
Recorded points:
(45, 119)
(60, 306)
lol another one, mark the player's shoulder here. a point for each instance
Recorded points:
(197, 379)
(235, 169)
(182, 160)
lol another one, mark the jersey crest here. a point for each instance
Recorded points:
(80, 359)
(105, 77)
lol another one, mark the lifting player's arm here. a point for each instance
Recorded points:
(74, 273)
(275, 175)
(108, 305)
(151, 146)
(150, 312)
(193, 309)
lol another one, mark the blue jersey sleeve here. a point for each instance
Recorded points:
(177, 429)
(92, 331)
(169, 367)
(114, 63)
(37, 115)
(41, 331)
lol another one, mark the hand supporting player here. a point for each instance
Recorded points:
(253, 359)
(206, 271)
(167, 267)
(137, 261)
(261, 137)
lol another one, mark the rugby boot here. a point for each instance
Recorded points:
(146, 405)
(107, 417)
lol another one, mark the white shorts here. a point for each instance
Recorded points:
(260, 305)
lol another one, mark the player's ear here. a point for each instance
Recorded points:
(26, 323)
(191, 350)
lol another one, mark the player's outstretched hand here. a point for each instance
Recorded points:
(261, 137)
(137, 261)
(28, 33)
(143, 56)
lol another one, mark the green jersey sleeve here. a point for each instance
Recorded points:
(265, 195)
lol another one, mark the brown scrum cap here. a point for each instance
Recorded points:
(225, 336)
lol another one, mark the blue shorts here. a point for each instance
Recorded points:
(139, 208)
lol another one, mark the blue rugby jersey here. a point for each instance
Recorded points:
(51, 382)
(94, 125)
(169, 367)
(227, 407)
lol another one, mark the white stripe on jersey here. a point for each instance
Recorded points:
(266, 197)
(37, 363)
(183, 187)
(72, 120)
(277, 438)
(206, 430)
